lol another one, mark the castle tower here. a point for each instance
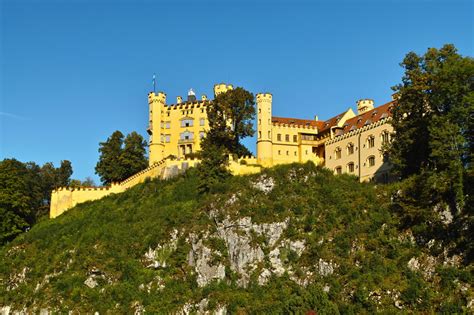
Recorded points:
(222, 88)
(157, 104)
(264, 129)
(364, 105)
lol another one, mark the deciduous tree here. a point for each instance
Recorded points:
(230, 119)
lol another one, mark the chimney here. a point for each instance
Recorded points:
(364, 105)
(316, 117)
(179, 100)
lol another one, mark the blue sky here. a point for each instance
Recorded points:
(72, 72)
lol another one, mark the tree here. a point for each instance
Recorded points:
(133, 157)
(230, 120)
(25, 193)
(433, 120)
(109, 167)
(118, 162)
(433, 125)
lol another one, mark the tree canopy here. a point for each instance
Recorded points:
(433, 145)
(25, 193)
(119, 158)
(230, 119)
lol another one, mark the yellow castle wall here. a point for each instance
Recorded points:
(165, 130)
(362, 151)
(168, 125)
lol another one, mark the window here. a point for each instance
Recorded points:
(371, 160)
(186, 135)
(162, 125)
(279, 152)
(287, 152)
(278, 137)
(371, 141)
(295, 138)
(295, 153)
(162, 138)
(167, 125)
(338, 170)
(168, 114)
(350, 167)
(188, 122)
(201, 122)
(167, 138)
(259, 110)
(269, 135)
(350, 149)
(259, 121)
(337, 152)
(201, 134)
(385, 137)
(259, 134)
(287, 138)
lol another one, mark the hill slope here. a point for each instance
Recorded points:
(290, 240)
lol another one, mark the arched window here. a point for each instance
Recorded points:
(338, 170)
(371, 160)
(385, 137)
(350, 148)
(371, 141)
(337, 152)
(350, 167)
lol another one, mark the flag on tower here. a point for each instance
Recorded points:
(154, 83)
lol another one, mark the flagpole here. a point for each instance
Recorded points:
(154, 83)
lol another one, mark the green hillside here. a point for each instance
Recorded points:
(290, 240)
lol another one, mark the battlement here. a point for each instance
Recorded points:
(158, 98)
(264, 97)
(222, 88)
(189, 105)
(81, 188)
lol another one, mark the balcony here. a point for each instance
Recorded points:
(183, 141)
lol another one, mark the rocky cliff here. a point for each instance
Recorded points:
(293, 239)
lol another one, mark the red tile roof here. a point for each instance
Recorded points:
(368, 117)
(331, 122)
(297, 122)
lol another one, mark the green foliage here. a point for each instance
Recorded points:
(230, 120)
(25, 193)
(432, 148)
(119, 158)
(341, 221)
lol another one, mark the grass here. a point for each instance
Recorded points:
(339, 219)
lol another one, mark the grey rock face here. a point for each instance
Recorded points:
(202, 261)
(264, 184)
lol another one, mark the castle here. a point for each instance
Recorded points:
(347, 143)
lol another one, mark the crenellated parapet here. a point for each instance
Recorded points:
(222, 88)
